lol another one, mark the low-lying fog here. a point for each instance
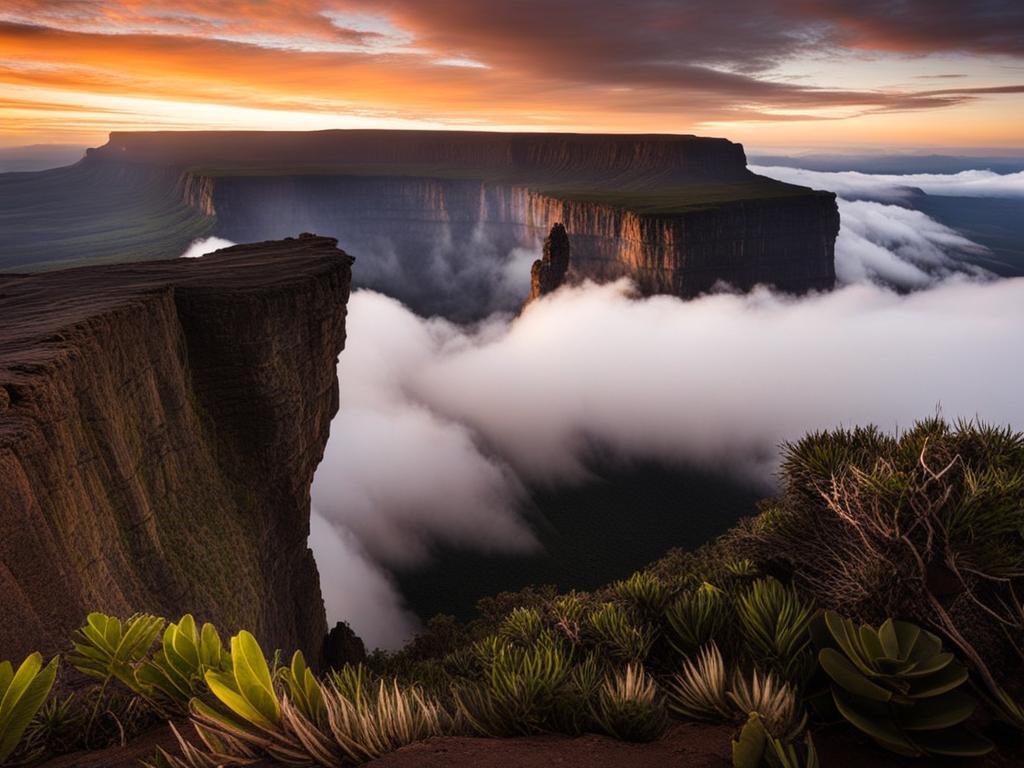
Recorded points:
(442, 427)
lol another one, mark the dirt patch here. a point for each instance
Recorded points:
(690, 745)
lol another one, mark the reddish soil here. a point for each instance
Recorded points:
(693, 746)
(685, 745)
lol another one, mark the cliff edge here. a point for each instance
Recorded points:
(160, 424)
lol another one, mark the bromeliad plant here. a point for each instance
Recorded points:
(629, 707)
(22, 694)
(697, 618)
(177, 671)
(107, 649)
(775, 623)
(899, 686)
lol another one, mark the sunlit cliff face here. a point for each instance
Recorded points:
(771, 73)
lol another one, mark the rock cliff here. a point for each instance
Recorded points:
(678, 214)
(548, 272)
(160, 424)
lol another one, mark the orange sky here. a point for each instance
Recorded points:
(785, 74)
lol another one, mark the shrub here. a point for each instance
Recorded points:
(775, 622)
(522, 626)
(772, 699)
(699, 691)
(618, 635)
(897, 685)
(22, 693)
(177, 671)
(644, 593)
(520, 691)
(107, 649)
(928, 524)
(629, 707)
(696, 618)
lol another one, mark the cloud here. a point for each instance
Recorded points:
(442, 427)
(205, 245)
(341, 560)
(899, 247)
(893, 244)
(895, 187)
(646, 65)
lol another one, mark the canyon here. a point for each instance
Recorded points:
(676, 214)
(160, 424)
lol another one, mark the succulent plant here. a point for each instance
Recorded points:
(107, 648)
(629, 707)
(775, 620)
(699, 692)
(644, 592)
(897, 685)
(22, 694)
(696, 618)
(757, 748)
(176, 672)
(618, 634)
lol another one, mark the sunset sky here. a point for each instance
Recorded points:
(782, 74)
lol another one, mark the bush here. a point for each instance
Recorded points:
(629, 706)
(697, 618)
(927, 525)
(775, 623)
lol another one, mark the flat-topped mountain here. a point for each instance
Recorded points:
(160, 424)
(427, 211)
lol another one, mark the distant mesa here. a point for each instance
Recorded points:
(676, 214)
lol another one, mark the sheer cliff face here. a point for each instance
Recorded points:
(786, 240)
(159, 429)
(433, 215)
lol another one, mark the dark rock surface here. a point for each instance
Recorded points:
(160, 424)
(548, 272)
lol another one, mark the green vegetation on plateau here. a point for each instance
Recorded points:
(881, 589)
(100, 212)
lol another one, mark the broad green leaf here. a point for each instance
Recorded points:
(748, 749)
(872, 722)
(953, 742)
(935, 714)
(844, 674)
(946, 679)
(24, 696)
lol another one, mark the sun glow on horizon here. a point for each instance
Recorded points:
(798, 78)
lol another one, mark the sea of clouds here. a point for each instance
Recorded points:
(444, 427)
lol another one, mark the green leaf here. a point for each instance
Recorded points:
(22, 699)
(748, 749)
(872, 721)
(953, 742)
(844, 674)
(936, 714)
(210, 647)
(946, 679)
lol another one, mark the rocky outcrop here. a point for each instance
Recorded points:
(548, 272)
(160, 424)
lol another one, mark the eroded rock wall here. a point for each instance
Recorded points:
(159, 429)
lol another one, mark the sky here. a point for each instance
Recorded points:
(777, 74)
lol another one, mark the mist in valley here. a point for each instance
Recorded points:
(448, 430)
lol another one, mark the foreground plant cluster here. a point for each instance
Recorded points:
(880, 590)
